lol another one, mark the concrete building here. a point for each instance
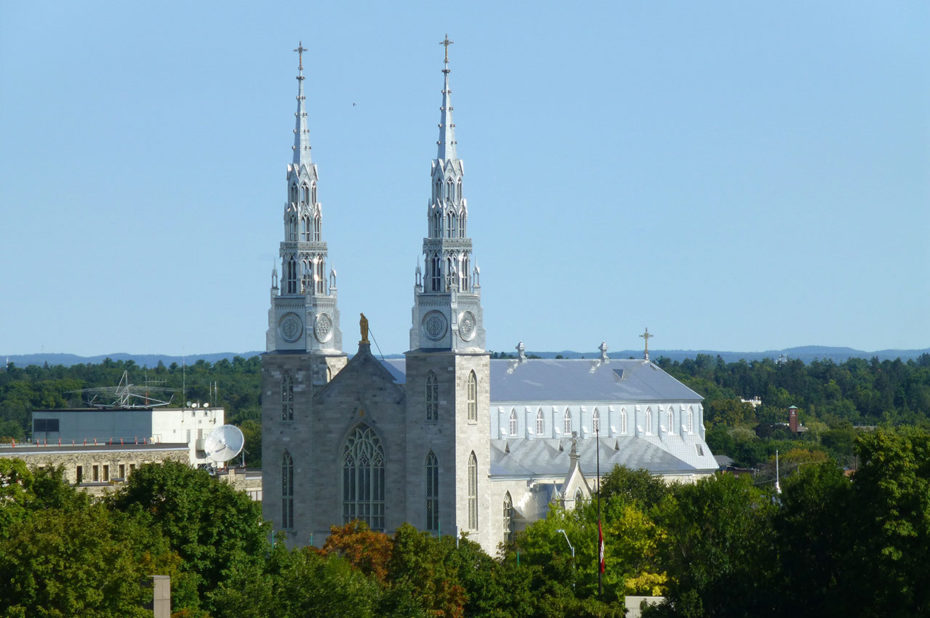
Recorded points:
(128, 426)
(446, 438)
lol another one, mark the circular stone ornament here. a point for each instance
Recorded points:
(291, 327)
(435, 325)
(467, 323)
(323, 327)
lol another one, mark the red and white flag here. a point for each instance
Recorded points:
(600, 548)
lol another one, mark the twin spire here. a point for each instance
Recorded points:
(301, 132)
(446, 126)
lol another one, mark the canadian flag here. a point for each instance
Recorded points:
(600, 548)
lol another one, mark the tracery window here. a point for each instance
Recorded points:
(287, 491)
(513, 422)
(596, 421)
(473, 491)
(432, 492)
(317, 222)
(306, 228)
(320, 279)
(432, 397)
(287, 397)
(567, 422)
(472, 396)
(304, 194)
(540, 422)
(363, 478)
(508, 518)
(292, 194)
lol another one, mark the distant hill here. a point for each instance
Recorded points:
(803, 353)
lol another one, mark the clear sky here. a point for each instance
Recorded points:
(733, 175)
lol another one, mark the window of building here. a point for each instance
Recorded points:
(305, 221)
(95, 473)
(435, 274)
(329, 374)
(596, 420)
(305, 194)
(317, 226)
(287, 491)
(567, 422)
(690, 421)
(463, 275)
(508, 518)
(320, 279)
(540, 422)
(513, 422)
(473, 491)
(287, 397)
(293, 194)
(122, 471)
(291, 276)
(41, 425)
(132, 468)
(472, 396)
(671, 422)
(106, 472)
(648, 420)
(313, 193)
(432, 492)
(432, 397)
(363, 478)
(79, 475)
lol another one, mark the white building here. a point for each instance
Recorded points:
(446, 438)
(125, 426)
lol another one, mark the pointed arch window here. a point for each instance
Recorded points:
(432, 397)
(690, 425)
(648, 420)
(287, 491)
(596, 421)
(513, 422)
(291, 276)
(671, 421)
(292, 194)
(579, 497)
(450, 272)
(567, 422)
(305, 231)
(363, 478)
(472, 396)
(317, 224)
(313, 193)
(508, 518)
(287, 397)
(450, 194)
(463, 274)
(540, 422)
(432, 492)
(291, 227)
(305, 194)
(320, 279)
(473, 491)
(435, 274)
(623, 420)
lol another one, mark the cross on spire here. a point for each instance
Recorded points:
(446, 43)
(647, 336)
(300, 49)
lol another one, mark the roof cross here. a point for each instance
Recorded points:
(446, 43)
(646, 336)
(300, 55)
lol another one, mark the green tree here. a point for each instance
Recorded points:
(213, 527)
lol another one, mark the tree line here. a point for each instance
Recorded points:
(828, 544)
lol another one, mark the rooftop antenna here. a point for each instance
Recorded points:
(125, 395)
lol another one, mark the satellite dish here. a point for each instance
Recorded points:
(223, 443)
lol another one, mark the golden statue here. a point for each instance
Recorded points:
(363, 325)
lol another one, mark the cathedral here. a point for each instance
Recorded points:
(445, 438)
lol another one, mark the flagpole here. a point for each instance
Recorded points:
(600, 534)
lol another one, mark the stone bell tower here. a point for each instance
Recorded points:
(303, 340)
(447, 377)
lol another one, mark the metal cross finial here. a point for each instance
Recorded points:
(446, 43)
(300, 55)
(647, 336)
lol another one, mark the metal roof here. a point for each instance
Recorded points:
(575, 380)
(543, 457)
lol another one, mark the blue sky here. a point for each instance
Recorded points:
(733, 175)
